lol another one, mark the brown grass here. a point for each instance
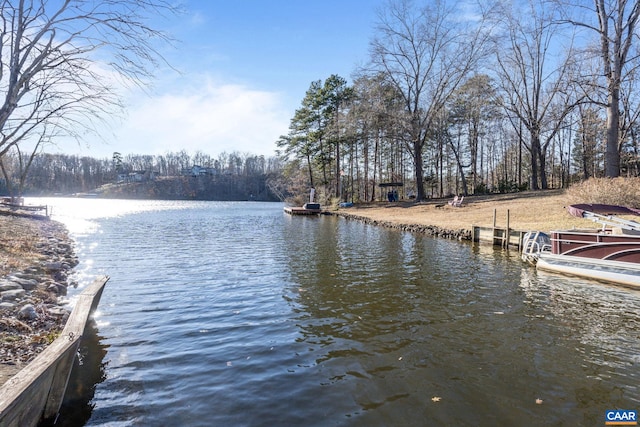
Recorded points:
(608, 191)
(19, 238)
(531, 210)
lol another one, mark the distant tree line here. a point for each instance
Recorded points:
(233, 176)
(530, 94)
(456, 98)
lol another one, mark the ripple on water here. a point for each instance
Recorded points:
(235, 314)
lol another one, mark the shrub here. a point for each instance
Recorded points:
(609, 191)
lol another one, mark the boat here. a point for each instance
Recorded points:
(610, 253)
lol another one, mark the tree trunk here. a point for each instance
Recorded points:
(417, 152)
(338, 171)
(310, 168)
(520, 144)
(376, 162)
(612, 155)
(543, 175)
(535, 148)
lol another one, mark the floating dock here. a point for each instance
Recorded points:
(302, 211)
(307, 209)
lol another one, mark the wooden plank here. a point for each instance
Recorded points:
(36, 392)
(301, 211)
(85, 305)
(498, 236)
(23, 397)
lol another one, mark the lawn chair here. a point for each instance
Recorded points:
(456, 202)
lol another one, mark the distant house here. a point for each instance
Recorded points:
(198, 171)
(136, 176)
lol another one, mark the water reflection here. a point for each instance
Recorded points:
(398, 319)
(604, 321)
(87, 373)
(238, 314)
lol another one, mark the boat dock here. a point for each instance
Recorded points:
(498, 236)
(26, 210)
(301, 211)
(307, 209)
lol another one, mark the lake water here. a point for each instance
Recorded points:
(236, 314)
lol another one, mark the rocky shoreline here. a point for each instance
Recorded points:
(40, 259)
(429, 230)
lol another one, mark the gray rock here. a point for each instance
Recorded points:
(6, 305)
(8, 285)
(62, 288)
(65, 246)
(27, 312)
(58, 311)
(57, 289)
(27, 275)
(52, 266)
(12, 295)
(33, 271)
(26, 284)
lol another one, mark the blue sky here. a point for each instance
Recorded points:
(244, 67)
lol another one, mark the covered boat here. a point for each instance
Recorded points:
(610, 253)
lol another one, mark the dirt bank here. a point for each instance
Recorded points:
(36, 256)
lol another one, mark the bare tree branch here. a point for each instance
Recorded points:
(59, 61)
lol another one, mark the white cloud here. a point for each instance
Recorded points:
(212, 117)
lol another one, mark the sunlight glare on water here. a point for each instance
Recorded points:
(80, 214)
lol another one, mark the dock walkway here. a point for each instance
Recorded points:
(301, 211)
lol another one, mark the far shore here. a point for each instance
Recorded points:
(525, 211)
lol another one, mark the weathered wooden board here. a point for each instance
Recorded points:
(36, 392)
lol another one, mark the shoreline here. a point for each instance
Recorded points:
(36, 258)
(37, 255)
(429, 230)
(526, 211)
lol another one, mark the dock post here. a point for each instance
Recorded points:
(508, 236)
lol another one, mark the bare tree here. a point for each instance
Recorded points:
(21, 168)
(615, 24)
(426, 53)
(536, 77)
(374, 108)
(589, 136)
(473, 109)
(58, 62)
(629, 139)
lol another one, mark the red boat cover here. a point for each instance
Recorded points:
(579, 210)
